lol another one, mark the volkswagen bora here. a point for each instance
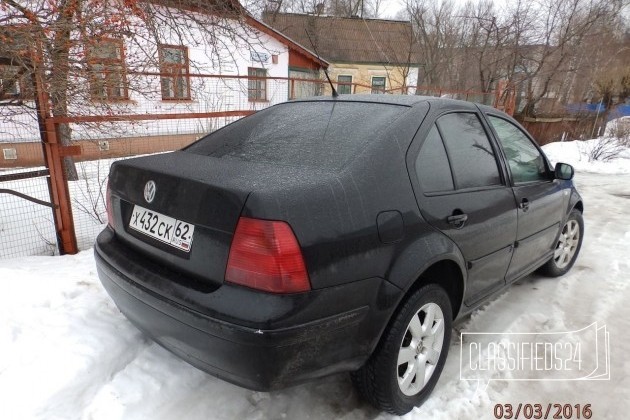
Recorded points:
(329, 235)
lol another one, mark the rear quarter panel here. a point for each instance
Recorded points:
(334, 215)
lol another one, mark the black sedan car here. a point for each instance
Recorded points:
(334, 234)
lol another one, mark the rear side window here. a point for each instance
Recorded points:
(469, 150)
(432, 166)
(317, 134)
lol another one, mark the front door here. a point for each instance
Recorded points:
(464, 195)
(537, 195)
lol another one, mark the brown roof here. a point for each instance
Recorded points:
(349, 40)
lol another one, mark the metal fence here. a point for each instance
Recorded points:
(41, 213)
(26, 226)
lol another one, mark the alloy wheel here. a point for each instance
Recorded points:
(567, 244)
(420, 349)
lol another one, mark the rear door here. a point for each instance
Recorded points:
(538, 196)
(462, 191)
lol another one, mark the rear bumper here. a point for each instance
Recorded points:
(265, 341)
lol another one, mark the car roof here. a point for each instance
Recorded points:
(406, 100)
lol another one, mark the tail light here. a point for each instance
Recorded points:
(265, 255)
(108, 206)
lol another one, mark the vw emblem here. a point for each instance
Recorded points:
(149, 191)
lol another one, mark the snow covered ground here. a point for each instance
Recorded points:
(576, 153)
(67, 353)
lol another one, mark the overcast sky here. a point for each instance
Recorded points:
(391, 8)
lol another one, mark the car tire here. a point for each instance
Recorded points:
(394, 387)
(567, 247)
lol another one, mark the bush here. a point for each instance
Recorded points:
(603, 149)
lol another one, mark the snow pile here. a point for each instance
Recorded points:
(619, 126)
(67, 353)
(576, 153)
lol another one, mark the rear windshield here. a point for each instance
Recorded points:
(318, 134)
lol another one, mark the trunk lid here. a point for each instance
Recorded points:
(195, 189)
(207, 192)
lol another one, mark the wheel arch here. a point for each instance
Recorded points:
(433, 258)
(447, 274)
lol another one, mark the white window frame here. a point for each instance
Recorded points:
(372, 83)
(345, 83)
(174, 74)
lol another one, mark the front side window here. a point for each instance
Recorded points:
(257, 85)
(378, 84)
(175, 74)
(469, 150)
(432, 167)
(344, 85)
(526, 163)
(107, 64)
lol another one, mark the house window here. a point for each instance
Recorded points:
(257, 88)
(8, 83)
(174, 67)
(107, 70)
(308, 83)
(378, 84)
(344, 85)
(14, 85)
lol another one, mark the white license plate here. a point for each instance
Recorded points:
(171, 231)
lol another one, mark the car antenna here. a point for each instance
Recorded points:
(321, 62)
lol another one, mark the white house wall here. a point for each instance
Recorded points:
(412, 80)
(231, 58)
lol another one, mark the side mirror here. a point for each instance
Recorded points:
(564, 171)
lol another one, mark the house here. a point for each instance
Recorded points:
(182, 68)
(365, 55)
(302, 67)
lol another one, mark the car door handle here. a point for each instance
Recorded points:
(524, 204)
(457, 220)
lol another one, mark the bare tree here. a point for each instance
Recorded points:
(339, 8)
(557, 38)
(399, 56)
(436, 35)
(74, 47)
(538, 46)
